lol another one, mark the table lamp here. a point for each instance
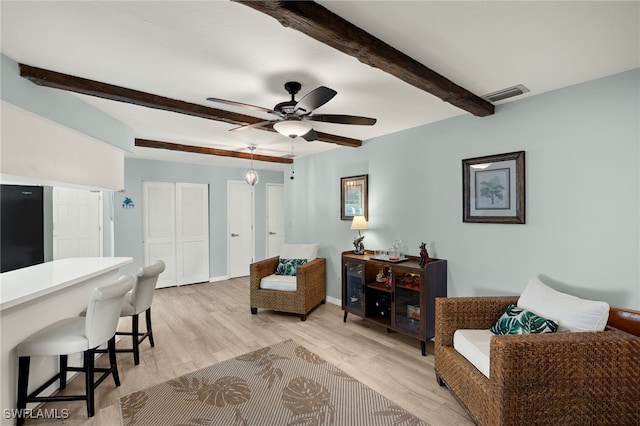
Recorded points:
(359, 223)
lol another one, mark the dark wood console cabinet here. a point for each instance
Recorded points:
(405, 302)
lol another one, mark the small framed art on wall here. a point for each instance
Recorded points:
(493, 189)
(354, 197)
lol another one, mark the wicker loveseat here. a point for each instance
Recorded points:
(309, 284)
(570, 378)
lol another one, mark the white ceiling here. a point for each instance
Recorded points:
(193, 50)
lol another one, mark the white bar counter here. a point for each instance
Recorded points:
(36, 296)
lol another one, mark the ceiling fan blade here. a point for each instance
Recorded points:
(314, 99)
(310, 136)
(242, 105)
(342, 119)
(252, 126)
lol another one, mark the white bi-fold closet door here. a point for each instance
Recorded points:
(176, 230)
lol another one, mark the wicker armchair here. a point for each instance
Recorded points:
(311, 289)
(572, 378)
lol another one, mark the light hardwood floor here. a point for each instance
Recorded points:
(202, 324)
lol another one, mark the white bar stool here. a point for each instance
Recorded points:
(138, 301)
(73, 335)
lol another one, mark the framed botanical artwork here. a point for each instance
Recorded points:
(354, 197)
(493, 189)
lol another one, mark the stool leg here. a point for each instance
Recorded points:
(23, 383)
(89, 357)
(149, 329)
(63, 371)
(113, 361)
(136, 344)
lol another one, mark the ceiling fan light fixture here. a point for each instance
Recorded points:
(292, 128)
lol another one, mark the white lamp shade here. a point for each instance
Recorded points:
(359, 223)
(292, 128)
(251, 177)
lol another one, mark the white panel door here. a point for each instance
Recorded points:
(77, 215)
(275, 219)
(192, 232)
(240, 228)
(159, 232)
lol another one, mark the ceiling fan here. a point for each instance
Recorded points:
(293, 115)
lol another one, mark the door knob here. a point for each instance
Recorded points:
(272, 233)
(235, 235)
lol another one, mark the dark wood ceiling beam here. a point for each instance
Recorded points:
(146, 143)
(325, 26)
(338, 140)
(98, 89)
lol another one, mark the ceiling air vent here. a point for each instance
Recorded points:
(509, 92)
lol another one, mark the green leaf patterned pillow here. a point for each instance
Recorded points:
(289, 266)
(520, 321)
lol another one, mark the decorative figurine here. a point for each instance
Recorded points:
(424, 256)
(384, 275)
(358, 244)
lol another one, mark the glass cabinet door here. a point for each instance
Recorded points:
(407, 301)
(353, 297)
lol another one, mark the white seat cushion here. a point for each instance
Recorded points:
(299, 251)
(279, 282)
(475, 346)
(570, 312)
(66, 336)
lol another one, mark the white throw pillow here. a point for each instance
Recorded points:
(299, 251)
(570, 312)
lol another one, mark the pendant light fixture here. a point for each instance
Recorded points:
(252, 176)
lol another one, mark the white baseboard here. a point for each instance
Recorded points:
(216, 279)
(334, 301)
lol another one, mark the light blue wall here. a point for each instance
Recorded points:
(61, 106)
(582, 195)
(128, 222)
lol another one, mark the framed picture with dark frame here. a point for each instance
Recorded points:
(354, 197)
(493, 189)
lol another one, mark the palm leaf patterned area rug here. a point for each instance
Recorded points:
(282, 384)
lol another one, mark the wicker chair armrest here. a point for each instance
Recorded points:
(567, 366)
(261, 269)
(453, 313)
(309, 272)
